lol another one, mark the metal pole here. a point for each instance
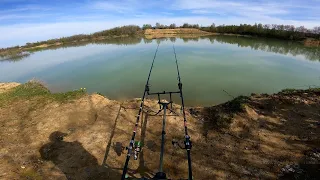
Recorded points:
(163, 135)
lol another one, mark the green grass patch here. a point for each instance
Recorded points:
(288, 90)
(31, 174)
(313, 89)
(317, 90)
(35, 90)
(99, 93)
(237, 104)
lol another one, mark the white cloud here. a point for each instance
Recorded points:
(113, 7)
(127, 6)
(30, 16)
(228, 6)
(262, 11)
(201, 11)
(25, 8)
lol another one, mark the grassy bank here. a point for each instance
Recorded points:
(35, 90)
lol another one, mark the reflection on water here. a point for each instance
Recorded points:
(264, 44)
(209, 66)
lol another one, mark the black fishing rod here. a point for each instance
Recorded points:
(146, 91)
(163, 107)
(187, 142)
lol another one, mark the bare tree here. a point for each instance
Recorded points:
(157, 25)
(172, 26)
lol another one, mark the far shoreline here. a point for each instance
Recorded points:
(23, 51)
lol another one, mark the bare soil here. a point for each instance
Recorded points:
(179, 32)
(311, 42)
(84, 138)
(175, 31)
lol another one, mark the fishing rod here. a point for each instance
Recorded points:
(164, 106)
(146, 89)
(187, 142)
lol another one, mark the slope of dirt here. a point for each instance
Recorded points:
(84, 138)
(265, 134)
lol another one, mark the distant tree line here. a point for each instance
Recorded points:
(269, 45)
(129, 30)
(288, 32)
(171, 26)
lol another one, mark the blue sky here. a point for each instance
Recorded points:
(24, 21)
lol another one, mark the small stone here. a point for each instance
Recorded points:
(246, 172)
(312, 126)
(23, 167)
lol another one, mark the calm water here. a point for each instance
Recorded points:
(118, 68)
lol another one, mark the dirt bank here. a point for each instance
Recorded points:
(175, 31)
(78, 136)
(179, 32)
(311, 42)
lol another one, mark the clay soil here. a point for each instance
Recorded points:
(84, 137)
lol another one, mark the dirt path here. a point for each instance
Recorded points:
(84, 138)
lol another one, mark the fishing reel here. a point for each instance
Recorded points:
(135, 149)
(187, 143)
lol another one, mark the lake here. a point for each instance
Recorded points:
(209, 66)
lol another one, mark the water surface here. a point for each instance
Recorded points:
(118, 68)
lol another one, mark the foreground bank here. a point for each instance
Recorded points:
(74, 135)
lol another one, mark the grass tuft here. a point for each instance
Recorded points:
(237, 104)
(31, 174)
(288, 91)
(36, 90)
